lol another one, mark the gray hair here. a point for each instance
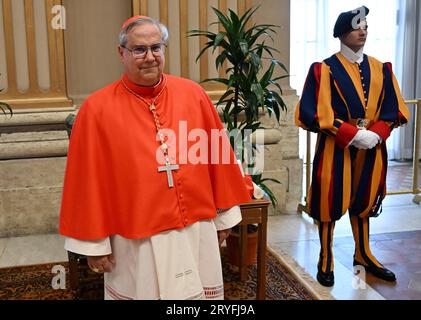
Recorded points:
(122, 37)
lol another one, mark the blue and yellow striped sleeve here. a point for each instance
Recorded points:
(393, 112)
(314, 112)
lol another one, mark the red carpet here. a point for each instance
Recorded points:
(35, 283)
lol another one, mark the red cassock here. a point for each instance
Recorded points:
(112, 184)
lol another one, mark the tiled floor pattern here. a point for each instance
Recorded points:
(400, 176)
(396, 229)
(399, 252)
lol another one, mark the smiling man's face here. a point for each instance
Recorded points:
(144, 71)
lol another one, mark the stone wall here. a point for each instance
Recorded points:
(30, 195)
(33, 149)
(281, 159)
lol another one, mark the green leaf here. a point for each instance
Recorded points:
(223, 19)
(244, 47)
(257, 61)
(270, 50)
(280, 78)
(256, 88)
(225, 95)
(227, 111)
(195, 33)
(4, 107)
(220, 60)
(269, 192)
(275, 108)
(226, 116)
(247, 16)
(219, 38)
(268, 75)
(261, 32)
(208, 45)
(279, 100)
(271, 180)
(281, 65)
(277, 85)
(220, 80)
(235, 21)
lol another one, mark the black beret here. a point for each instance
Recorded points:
(344, 22)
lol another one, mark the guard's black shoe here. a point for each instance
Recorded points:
(382, 273)
(326, 279)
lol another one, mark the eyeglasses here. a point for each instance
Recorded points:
(141, 51)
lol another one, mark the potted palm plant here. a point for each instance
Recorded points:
(252, 86)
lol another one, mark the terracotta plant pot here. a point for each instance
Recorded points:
(233, 247)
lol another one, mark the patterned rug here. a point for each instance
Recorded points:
(35, 283)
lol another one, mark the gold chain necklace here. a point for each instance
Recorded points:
(168, 168)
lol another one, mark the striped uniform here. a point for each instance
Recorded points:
(337, 94)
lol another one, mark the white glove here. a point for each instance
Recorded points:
(365, 139)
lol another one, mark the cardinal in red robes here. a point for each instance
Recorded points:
(152, 185)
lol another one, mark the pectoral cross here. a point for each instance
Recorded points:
(169, 169)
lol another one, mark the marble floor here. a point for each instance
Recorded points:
(293, 237)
